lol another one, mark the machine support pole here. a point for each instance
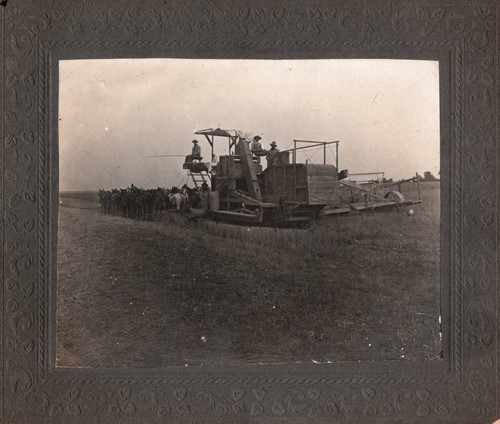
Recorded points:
(418, 188)
(337, 156)
(324, 154)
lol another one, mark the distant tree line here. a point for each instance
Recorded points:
(427, 177)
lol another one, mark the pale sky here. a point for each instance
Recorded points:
(114, 112)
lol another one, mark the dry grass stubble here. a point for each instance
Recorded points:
(360, 287)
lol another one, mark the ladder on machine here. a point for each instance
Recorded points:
(248, 167)
(199, 178)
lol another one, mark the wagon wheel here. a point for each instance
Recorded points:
(276, 215)
(272, 216)
(394, 196)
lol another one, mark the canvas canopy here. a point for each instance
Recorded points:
(219, 132)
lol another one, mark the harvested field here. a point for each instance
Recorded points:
(175, 292)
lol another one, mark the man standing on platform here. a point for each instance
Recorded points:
(273, 155)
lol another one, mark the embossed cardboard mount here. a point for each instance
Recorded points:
(462, 387)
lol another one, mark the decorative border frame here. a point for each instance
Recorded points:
(463, 387)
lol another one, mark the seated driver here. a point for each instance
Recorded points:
(196, 152)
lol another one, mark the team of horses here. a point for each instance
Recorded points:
(147, 204)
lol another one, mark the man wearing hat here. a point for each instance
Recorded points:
(256, 147)
(196, 152)
(273, 155)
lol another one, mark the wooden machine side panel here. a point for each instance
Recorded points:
(322, 184)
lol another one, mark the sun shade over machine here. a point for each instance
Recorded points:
(232, 136)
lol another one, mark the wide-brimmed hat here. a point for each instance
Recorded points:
(257, 137)
(195, 141)
(273, 144)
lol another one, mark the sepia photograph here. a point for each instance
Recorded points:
(249, 212)
(244, 212)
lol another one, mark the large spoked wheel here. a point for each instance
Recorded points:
(272, 216)
(394, 196)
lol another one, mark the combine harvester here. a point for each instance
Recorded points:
(242, 190)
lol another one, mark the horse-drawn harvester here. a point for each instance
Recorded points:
(242, 189)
